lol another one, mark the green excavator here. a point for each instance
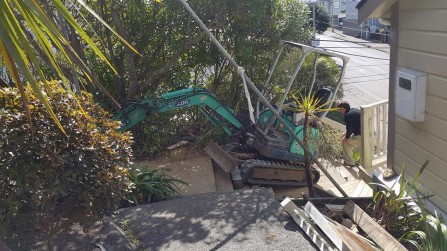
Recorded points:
(268, 147)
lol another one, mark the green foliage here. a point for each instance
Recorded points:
(28, 31)
(397, 212)
(322, 18)
(311, 106)
(176, 54)
(433, 235)
(336, 116)
(327, 73)
(356, 155)
(164, 129)
(152, 186)
(50, 180)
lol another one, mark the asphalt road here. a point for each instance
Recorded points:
(367, 73)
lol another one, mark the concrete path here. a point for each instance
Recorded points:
(243, 220)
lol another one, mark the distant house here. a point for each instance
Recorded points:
(345, 18)
(418, 48)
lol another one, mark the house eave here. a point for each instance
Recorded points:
(374, 9)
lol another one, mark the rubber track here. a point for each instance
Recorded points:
(248, 165)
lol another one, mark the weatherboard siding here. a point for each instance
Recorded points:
(422, 46)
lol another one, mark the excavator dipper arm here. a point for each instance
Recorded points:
(218, 114)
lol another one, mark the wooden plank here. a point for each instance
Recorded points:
(220, 156)
(385, 129)
(364, 175)
(367, 147)
(300, 218)
(178, 144)
(328, 230)
(376, 119)
(331, 200)
(349, 187)
(335, 208)
(363, 190)
(380, 161)
(372, 228)
(352, 240)
(342, 172)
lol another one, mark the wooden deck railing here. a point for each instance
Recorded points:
(374, 134)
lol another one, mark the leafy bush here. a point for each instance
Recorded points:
(433, 235)
(151, 186)
(398, 212)
(50, 180)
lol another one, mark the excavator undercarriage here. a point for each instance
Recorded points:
(254, 169)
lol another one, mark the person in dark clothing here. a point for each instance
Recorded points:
(351, 138)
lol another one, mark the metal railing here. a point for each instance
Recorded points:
(374, 126)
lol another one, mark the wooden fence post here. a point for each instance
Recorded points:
(367, 146)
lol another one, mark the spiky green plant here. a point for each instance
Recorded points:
(311, 106)
(396, 211)
(27, 23)
(152, 186)
(433, 235)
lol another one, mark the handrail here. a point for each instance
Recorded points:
(374, 131)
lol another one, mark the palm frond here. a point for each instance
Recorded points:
(17, 17)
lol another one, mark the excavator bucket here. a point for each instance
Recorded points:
(220, 156)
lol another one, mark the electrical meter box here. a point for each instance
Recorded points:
(411, 88)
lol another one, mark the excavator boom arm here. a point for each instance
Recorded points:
(135, 112)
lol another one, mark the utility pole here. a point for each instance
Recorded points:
(332, 15)
(313, 16)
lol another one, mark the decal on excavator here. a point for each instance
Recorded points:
(182, 102)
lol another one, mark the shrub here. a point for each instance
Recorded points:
(151, 186)
(50, 180)
(432, 236)
(396, 211)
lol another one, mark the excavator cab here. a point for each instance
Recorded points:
(296, 69)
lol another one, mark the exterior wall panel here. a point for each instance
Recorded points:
(437, 86)
(423, 61)
(423, 46)
(437, 186)
(422, 5)
(417, 156)
(418, 133)
(426, 20)
(418, 40)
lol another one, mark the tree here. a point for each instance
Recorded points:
(322, 18)
(311, 106)
(177, 54)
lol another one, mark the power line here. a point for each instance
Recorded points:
(365, 76)
(351, 54)
(338, 26)
(362, 81)
(330, 40)
(360, 47)
(366, 65)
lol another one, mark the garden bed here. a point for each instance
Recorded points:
(341, 226)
